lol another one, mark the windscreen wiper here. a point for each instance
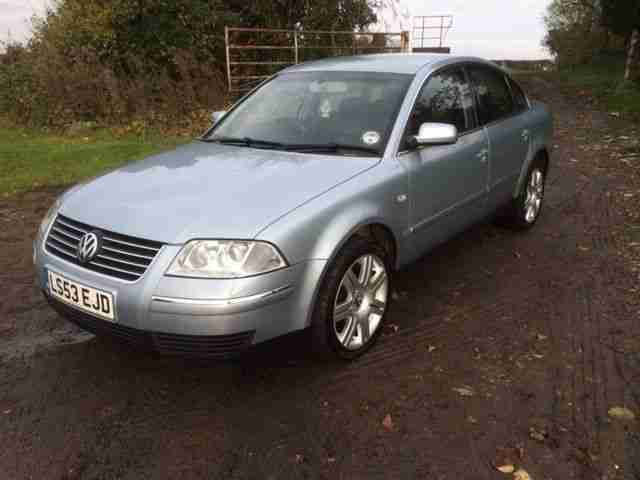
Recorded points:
(247, 142)
(293, 147)
(331, 147)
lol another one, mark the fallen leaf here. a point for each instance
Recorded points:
(299, 458)
(387, 422)
(431, 348)
(521, 475)
(541, 337)
(465, 391)
(621, 413)
(471, 419)
(399, 296)
(538, 435)
(506, 468)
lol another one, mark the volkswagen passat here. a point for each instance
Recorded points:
(295, 209)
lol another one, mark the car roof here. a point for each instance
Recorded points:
(404, 63)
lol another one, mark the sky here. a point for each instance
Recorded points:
(494, 29)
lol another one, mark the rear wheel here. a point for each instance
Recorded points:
(353, 300)
(525, 209)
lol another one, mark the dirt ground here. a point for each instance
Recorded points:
(500, 348)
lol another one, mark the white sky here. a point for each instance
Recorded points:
(495, 29)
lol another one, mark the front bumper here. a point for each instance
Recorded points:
(203, 317)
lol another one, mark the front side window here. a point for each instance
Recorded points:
(315, 109)
(494, 97)
(445, 98)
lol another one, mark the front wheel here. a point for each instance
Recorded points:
(353, 300)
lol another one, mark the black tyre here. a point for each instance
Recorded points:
(524, 210)
(353, 300)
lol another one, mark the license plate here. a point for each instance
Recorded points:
(91, 300)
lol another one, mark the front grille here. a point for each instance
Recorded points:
(196, 346)
(120, 256)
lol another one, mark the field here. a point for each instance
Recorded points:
(31, 159)
(602, 81)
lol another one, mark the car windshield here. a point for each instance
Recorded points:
(338, 112)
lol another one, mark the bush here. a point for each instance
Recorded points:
(116, 62)
(46, 87)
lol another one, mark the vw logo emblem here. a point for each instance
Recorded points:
(88, 247)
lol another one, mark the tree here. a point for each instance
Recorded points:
(116, 60)
(155, 29)
(574, 31)
(623, 18)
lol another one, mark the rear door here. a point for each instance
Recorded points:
(447, 182)
(503, 117)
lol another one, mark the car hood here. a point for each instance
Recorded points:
(207, 190)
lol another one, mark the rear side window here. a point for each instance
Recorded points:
(445, 98)
(494, 97)
(519, 97)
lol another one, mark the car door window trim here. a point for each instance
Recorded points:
(511, 83)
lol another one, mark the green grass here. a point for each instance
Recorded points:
(604, 79)
(30, 159)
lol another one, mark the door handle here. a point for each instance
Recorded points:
(525, 135)
(483, 155)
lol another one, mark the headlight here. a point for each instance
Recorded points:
(226, 259)
(48, 218)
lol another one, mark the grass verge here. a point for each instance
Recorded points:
(603, 78)
(31, 159)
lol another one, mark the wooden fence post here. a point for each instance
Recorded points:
(632, 70)
(226, 43)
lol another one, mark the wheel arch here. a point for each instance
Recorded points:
(542, 152)
(374, 228)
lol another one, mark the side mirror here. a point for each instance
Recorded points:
(217, 116)
(436, 134)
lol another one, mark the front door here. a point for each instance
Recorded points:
(447, 183)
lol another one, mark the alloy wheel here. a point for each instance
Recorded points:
(534, 194)
(361, 301)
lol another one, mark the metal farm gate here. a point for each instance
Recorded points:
(254, 54)
(430, 32)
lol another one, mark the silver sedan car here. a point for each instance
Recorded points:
(297, 206)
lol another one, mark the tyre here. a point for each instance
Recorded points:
(353, 300)
(524, 210)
